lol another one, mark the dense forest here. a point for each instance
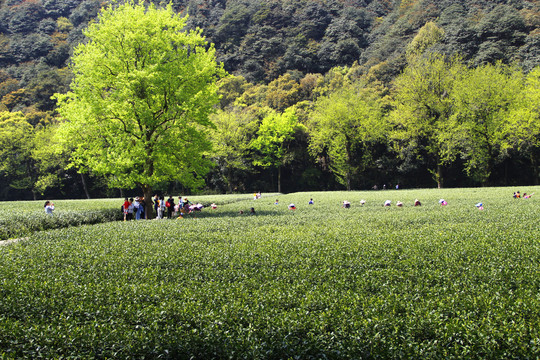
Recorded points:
(323, 94)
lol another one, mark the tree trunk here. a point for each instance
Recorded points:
(534, 168)
(149, 208)
(83, 181)
(349, 161)
(279, 179)
(506, 173)
(439, 177)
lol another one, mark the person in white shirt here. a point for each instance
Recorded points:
(49, 207)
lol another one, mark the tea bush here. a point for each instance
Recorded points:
(18, 219)
(322, 281)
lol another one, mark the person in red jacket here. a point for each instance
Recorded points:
(125, 208)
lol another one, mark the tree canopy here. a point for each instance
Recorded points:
(282, 54)
(142, 91)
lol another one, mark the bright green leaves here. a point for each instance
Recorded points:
(344, 124)
(28, 154)
(141, 96)
(274, 132)
(482, 98)
(423, 107)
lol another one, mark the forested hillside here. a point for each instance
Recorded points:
(297, 54)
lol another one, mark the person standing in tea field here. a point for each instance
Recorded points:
(137, 208)
(125, 207)
(131, 209)
(155, 201)
(161, 207)
(170, 207)
(142, 207)
(49, 207)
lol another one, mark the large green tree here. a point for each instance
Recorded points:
(231, 143)
(140, 99)
(275, 132)
(27, 154)
(423, 107)
(523, 122)
(344, 125)
(482, 98)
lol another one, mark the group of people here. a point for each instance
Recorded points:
(517, 195)
(135, 207)
(163, 208)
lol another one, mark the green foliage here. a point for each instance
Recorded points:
(282, 93)
(27, 152)
(283, 53)
(427, 36)
(320, 282)
(483, 97)
(344, 125)
(231, 143)
(274, 132)
(423, 108)
(142, 92)
(526, 112)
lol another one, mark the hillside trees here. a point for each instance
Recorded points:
(523, 125)
(482, 97)
(344, 125)
(27, 154)
(423, 107)
(273, 135)
(285, 53)
(142, 91)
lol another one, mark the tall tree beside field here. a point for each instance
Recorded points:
(231, 143)
(16, 138)
(27, 154)
(343, 125)
(423, 107)
(140, 99)
(274, 133)
(523, 125)
(483, 97)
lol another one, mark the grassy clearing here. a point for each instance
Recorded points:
(321, 281)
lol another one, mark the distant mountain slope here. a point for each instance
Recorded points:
(263, 39)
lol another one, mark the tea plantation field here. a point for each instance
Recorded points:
(21, 218)
(321, 281)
